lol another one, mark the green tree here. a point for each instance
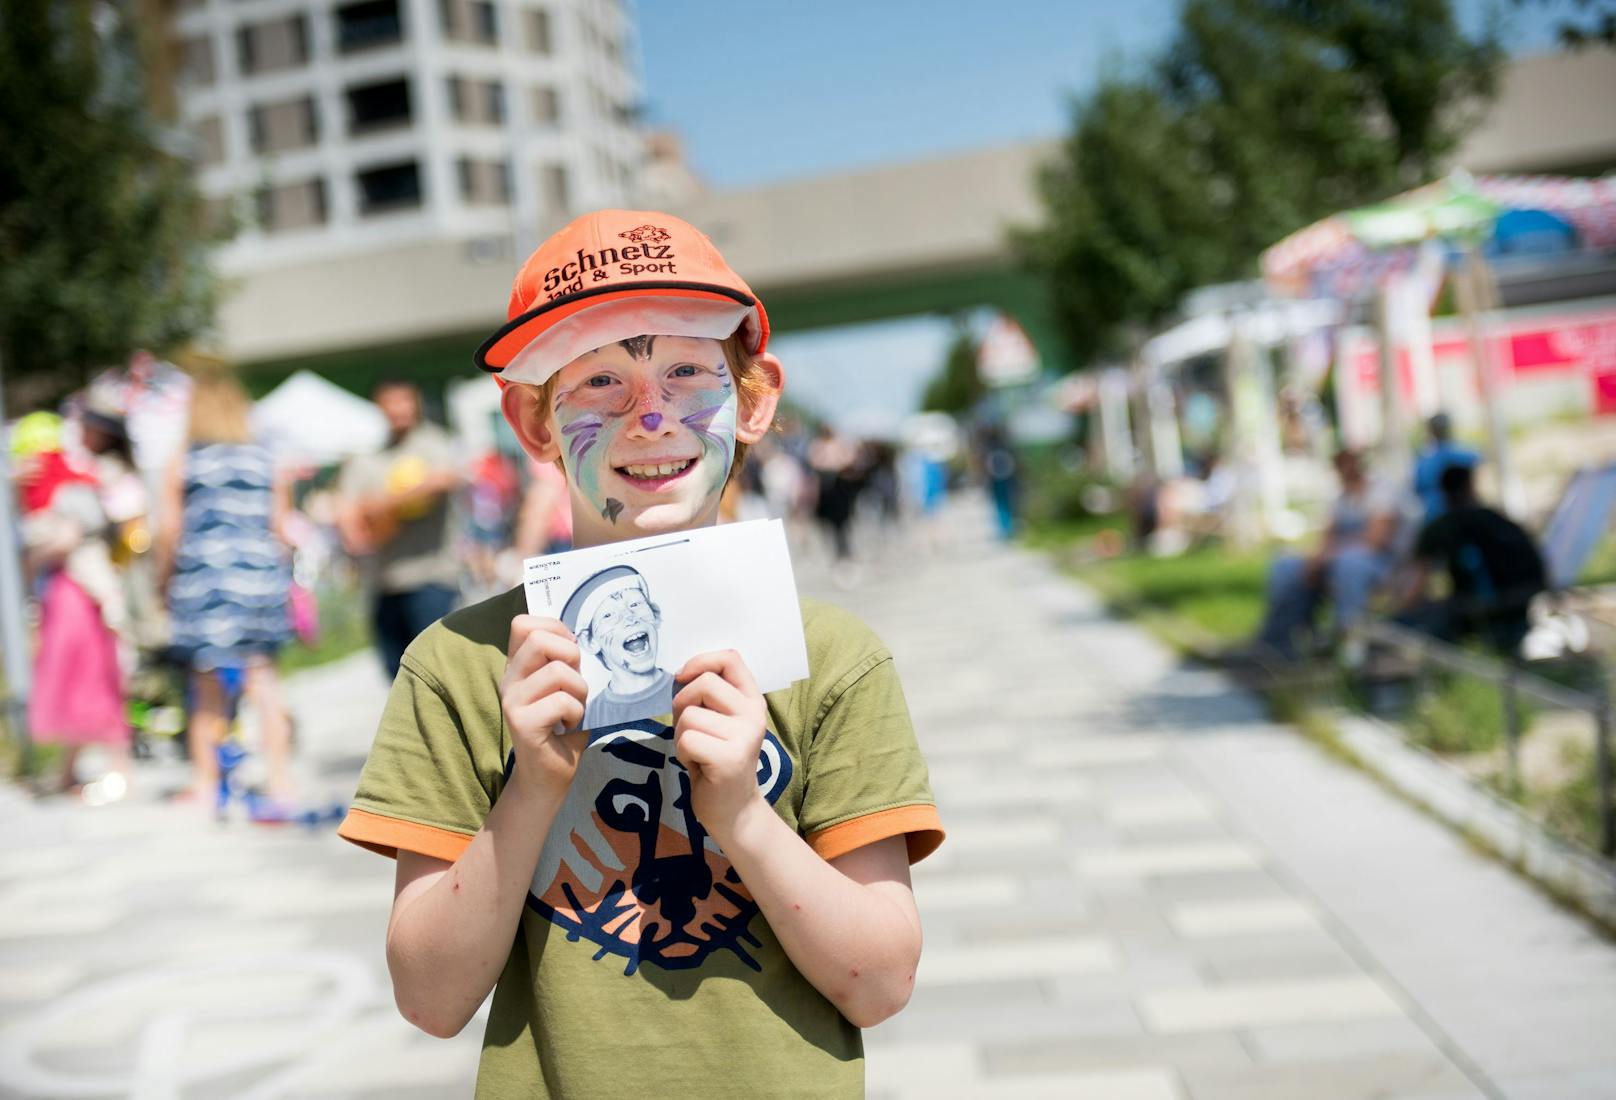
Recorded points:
(1259, 117)
(957, 387)
(102, 240)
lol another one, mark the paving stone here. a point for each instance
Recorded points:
(1094, 753)
(1279, 956)
(1588, 1084)
(1139, 1083)
(1206, 919)
(1339, 1040)
(1250, 884)
(23, 982)
(960, 794)
(897, 1066)
(1040, 833)
(1168, 859)
(1023, 959)
(1255, 1005)
(1161, 809)
(1030, 922)
(20, 922)
(965, 892)
(1381, 1078)
(1085, 1054)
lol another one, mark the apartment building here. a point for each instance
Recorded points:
(390, 158)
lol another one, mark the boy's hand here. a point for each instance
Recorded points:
(542, 695)
(718, 721)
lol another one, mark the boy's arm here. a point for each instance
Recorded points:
(849, 925)
(452, 925)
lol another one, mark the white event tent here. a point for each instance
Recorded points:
(308, 420)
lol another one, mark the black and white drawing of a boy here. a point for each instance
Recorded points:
(612, 616)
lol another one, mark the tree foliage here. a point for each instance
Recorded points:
(1259, 117)
(957, 387)
(102, 242)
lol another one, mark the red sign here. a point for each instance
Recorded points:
(1582, 344)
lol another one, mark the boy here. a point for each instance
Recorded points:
(710, 905)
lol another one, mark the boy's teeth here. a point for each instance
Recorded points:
(662, 470)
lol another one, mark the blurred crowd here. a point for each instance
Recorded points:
(173, 552)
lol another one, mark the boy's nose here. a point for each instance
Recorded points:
(647, 411)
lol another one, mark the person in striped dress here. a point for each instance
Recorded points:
(228, 573)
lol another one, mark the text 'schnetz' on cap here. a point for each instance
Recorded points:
(613, 274)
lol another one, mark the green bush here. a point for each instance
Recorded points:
(1572, 810)
(1462, 714)
(1218, 590)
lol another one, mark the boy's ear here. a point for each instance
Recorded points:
(526, 416)
(755, 416)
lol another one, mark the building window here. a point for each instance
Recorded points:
(546, 107)
(291, 206)
(381, 106)
(369, 25)
(389, 187)
(210, 140)
(476, 101)
(554, 189)
(469, 21)
(277, 127)
(268, 47)
(195, 61)
(537, 23)
(484, 182)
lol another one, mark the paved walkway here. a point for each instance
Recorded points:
(1148, 893)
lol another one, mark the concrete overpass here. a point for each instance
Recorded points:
(884, 242)
(889, 241)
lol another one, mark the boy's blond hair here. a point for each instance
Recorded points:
(750, 383)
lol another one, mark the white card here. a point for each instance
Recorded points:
(641, 609)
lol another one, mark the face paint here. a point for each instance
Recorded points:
(619, 405)
(638, 347)
(715, 424)
(583, 433)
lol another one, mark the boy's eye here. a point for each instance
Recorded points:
(686, 370)
(599, 381)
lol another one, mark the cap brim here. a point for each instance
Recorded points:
(541, 335)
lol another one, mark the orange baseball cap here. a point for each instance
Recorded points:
(610, 275)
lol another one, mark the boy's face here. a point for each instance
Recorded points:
(646, 432)
(623, 633)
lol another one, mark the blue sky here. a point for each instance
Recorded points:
(766, 90)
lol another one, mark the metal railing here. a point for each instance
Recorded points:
(1516, 683)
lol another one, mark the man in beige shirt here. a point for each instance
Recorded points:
(395, 514)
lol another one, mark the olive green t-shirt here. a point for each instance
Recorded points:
(642, 965)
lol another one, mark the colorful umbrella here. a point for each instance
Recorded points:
(1348, 255)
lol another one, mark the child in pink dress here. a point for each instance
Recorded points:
(77, 697)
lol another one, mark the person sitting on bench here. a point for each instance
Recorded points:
(1494, 569)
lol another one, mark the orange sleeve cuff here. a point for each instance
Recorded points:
(919, 825)
(386, 835)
